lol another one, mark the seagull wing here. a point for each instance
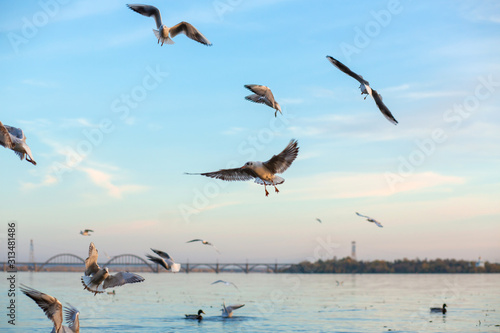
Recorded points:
(258, 89)
(229, 174)
(159, 261)
(91, 266)
(195, 240)
(218, 281)
(17, 132)
(234, 307)
(378, 223)
(50, 305)
(216, 249)
(5, 139)
(258, 99)
(88, 230)
(162, 254)
(385, 111)
(190, 31)
(362, 215)
(279, 163)
(346, 70)
(148, 11)
(121, 278)
(71, 315)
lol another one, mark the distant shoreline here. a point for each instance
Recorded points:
(333, 266)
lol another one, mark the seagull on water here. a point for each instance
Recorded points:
(227, 311)
(53, 309)
(13, 138)
(204, 242)
(164, 33)
(365, 89)
(97, 279)
(264, 173)
(86, 232)
(369, 219)
(264, 95)
(227, 283)
(166, 261)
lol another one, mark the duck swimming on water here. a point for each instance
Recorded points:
(442, 310)
(195, 316)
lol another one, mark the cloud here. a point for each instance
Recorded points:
(48, 180)
(336, 185)
(104, 180)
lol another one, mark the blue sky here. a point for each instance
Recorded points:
(114, 120)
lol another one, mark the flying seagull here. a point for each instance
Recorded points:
(264, 173)
(166, 261)
(86, 232)
(53, 309)
(164, 33)
(365, 89)
(227, 311)
(13, 138)
(264, 95)
(227, 283)
(97, 279)
(204, 242)
(319, 220)
(369, 219)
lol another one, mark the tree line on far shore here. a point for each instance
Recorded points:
(349, 265)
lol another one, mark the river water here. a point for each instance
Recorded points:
(273, 303)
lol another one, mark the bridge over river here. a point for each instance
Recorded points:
(67, 261)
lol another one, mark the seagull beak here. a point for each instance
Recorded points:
(243, 167)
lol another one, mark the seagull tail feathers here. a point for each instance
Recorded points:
(88, 285)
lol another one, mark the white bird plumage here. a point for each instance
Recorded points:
(13, 138)
(263, 173)
(204, 242)
(365, 89)
(165, 34)
(227, 311)
(53, 309)
(264, 95)
(227, 283)
(97, 279)
(165, 261)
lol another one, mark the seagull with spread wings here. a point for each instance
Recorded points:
(365, 89)
(13, 138)
(263, 173)
(227, 311)
(369, 219)
(53, 309)
(164, 33)
(97, 279)
(263, 95)
(165, 260)
(204, 242)
(227, 283)
(86, 232)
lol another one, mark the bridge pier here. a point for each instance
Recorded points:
(187, 268)
(246, 268)
(217, 268)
